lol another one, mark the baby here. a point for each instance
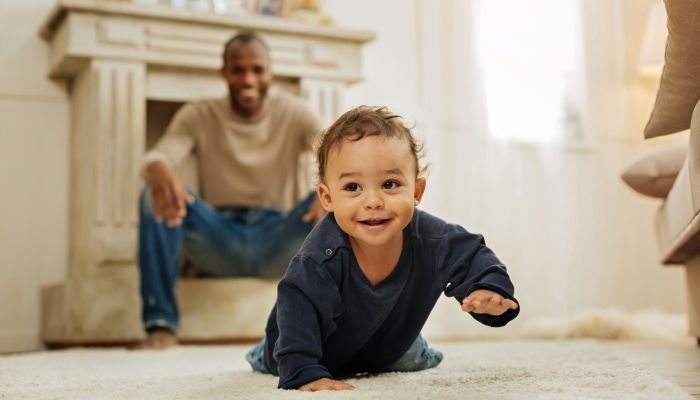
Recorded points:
(358, 292)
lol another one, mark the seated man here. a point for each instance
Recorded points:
(252, 215)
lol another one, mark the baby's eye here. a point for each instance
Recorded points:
(352, 187)
(388, 185)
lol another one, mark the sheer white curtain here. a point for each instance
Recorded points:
(554, 209)
(523, 112)
(529, 57)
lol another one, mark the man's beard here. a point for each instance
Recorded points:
(246, 108)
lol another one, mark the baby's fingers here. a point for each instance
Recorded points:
(469, 299)
(477, 305)
(325, 384)
(509, 304)
(332, 385)
(343, 386)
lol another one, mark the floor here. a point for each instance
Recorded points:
(499, 369)
(679, 363)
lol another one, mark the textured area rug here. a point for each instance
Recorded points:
(483, 370)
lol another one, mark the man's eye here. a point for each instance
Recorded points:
(352, 187)
(390, 185)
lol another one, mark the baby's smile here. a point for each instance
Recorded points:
(375, 221)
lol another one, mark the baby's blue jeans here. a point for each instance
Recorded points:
(418, 357)
(224, 241)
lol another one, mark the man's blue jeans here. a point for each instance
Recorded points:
(418, 357)
(222, 242)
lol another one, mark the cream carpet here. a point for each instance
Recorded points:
(479, 370)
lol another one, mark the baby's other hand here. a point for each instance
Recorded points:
(325, 384)
(484, 301)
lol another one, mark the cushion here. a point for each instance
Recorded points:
(653, 173)
(679, 89)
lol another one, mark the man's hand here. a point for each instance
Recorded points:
(484, 301)
(168, 194)
(325, 384)
(316, 212)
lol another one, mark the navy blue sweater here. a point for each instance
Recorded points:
(328, 317)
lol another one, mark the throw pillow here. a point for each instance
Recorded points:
(679, 89)
(653, 173)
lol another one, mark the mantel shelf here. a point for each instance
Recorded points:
(168, 38)
(253, 22)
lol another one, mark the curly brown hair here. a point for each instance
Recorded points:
(364, 121)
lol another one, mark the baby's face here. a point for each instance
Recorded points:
(372, 188)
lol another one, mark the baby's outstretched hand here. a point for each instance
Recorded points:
(484, 301)
(325, 384)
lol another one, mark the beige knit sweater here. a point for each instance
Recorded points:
(255, 162)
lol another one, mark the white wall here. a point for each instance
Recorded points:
(34, 122)
(390, 63)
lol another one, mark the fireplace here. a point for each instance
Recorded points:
(130, 67)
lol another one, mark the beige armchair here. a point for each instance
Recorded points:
(676, 109)
(678, 224)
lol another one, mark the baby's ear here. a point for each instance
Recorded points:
(324, 195)
(420, 190)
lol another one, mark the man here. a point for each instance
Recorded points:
(253, 213)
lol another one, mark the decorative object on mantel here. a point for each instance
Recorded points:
(237, 7)
(308, 12)
(199, 5)
(271, 8)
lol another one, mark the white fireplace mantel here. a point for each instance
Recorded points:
(117, 56)
(165, 37)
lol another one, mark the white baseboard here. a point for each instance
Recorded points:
(19, 342)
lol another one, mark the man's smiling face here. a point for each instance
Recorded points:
(247, 72)
(371, 187)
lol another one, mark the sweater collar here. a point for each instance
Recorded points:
(258, 117)
(326, 238)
